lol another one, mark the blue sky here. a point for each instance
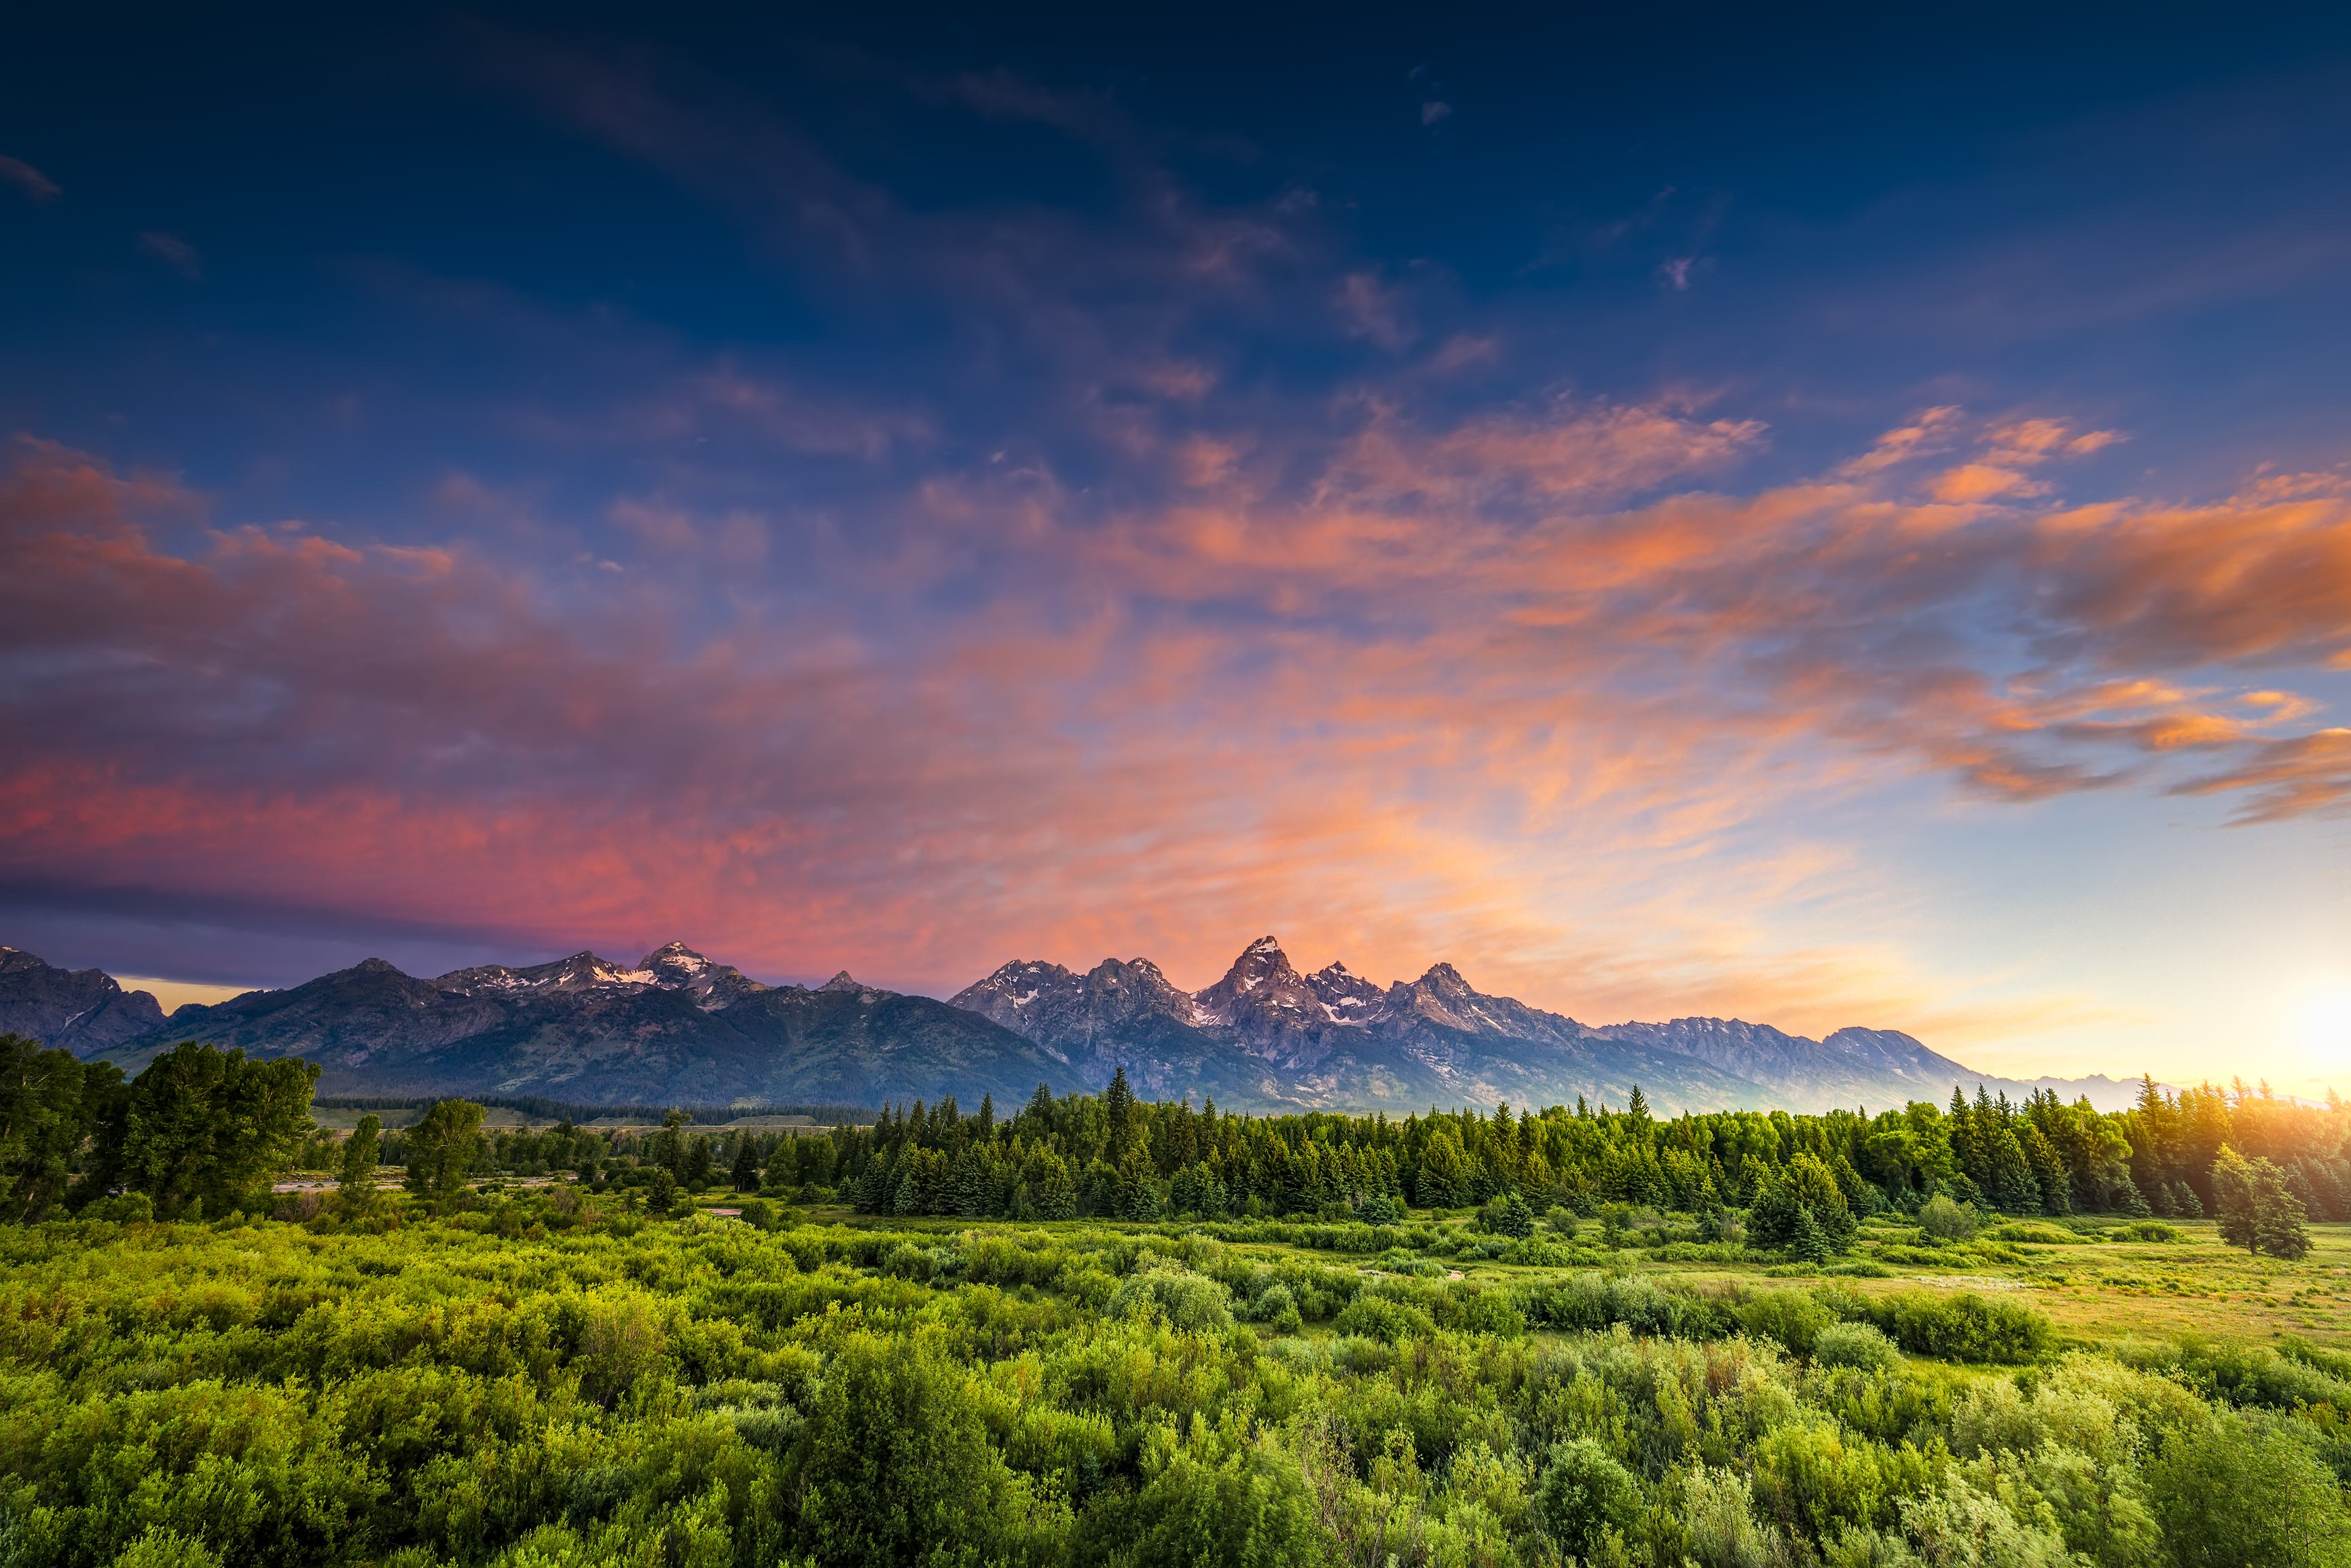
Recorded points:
(1833, 520)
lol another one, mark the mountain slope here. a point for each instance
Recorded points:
(1267, 1036)
(78, 1010)
(674, 1027)
(1854, 1067)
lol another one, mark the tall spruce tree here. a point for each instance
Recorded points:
(2278, 1216)
(2232, 1197)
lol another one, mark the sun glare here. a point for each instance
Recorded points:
(2326, 1029)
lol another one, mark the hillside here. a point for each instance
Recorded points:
(674, 1028)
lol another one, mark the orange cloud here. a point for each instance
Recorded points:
(1430, 692)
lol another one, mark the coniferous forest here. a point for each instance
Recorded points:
(1093, 1330)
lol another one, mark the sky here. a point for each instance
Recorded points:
(1827, 519)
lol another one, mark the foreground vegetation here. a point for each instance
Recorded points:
(1581, 1336)
(529, 1383)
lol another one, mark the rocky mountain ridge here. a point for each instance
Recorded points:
(1339, 1038)
(77, 1009)
(678, 1027)
(674, 1027)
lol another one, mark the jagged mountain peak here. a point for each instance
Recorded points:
(73, 1010)
(843, 981)
(1445, 978)
(378, 966)
(1263, 962)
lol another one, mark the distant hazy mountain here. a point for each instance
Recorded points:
(80, 1010)
(1875, 1067)
(674, 1029)
(678, 1029)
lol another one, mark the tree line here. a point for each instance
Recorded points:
(202, 1131)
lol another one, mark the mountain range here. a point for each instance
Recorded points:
(678, 1028)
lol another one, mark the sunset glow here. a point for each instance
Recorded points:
(903, 502)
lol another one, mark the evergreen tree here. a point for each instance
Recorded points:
(2232, 1197)
(878, 1185)
(1119, 1113)
(2010, 1183)
(968, 1184)
(442, 1148)
(2166, 1202)
(1808, 1240)
(745, 1174)
(666, 1149)
(1804, 1187)
(2049, 1172)
(2184, 1200)
(356, 1189)
(1056, 1194)
(661, 1194)
(2278, 1216)
(2297, 1182)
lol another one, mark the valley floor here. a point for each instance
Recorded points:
(548, 1377)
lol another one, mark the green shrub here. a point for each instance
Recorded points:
(1389, 1321)
(1944, 1220)
(1862, 1345)
(1963, 1326)
(2248, 1493)
(1794, 1318)
(1186, 1300)
(1585, 1496)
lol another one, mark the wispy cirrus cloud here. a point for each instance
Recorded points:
(174, 253)
(29, 180)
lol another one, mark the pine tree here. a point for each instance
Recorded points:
(2298, 1182)
(1808, 1241)
(2232, 1197)
(2164, 1203)
(2011, 1185)
(2048, 1170)
(1118, 1112)
(968, 1184)
(357, 1189)
(745, 1174)
(2278, 1215)
(1804, 1188)
(1056, 1195)
(877, 1186)
(2184, 1198)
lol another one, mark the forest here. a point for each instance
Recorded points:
(1100, 1331)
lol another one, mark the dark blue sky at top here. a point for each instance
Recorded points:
(2135, 212)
